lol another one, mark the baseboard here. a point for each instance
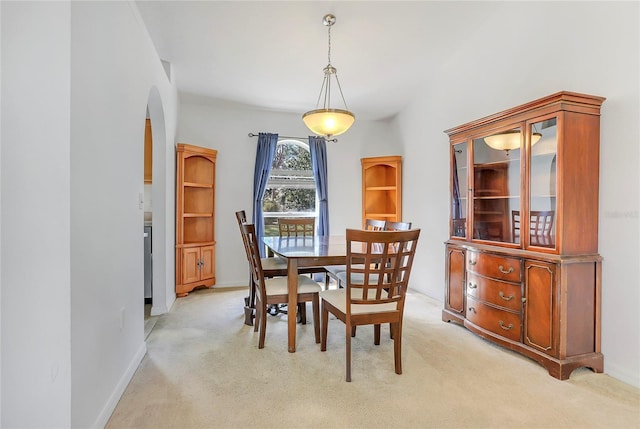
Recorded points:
(157, 310)
(118, 391)
(233, 284)
(622, 374)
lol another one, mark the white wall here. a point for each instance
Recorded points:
(113, 75)
(36, 361)
(74, 102)
(225, 126)
(584, 47)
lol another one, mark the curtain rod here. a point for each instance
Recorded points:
(333, 140)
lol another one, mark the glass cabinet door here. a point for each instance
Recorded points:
(496, 185)
(542, 183)
(459, 190)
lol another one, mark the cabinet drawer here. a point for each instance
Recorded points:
(507, 295)
(500, 322)
(497, 267)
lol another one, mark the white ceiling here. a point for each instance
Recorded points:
(270, 54)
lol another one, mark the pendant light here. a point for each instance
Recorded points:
(327, 121)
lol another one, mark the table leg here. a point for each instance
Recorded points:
(292, 307)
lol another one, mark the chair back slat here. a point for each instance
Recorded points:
(255, 261)
(378, 266)
(374, 225)
(397, 226)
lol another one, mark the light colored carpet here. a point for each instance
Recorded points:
(203, 369)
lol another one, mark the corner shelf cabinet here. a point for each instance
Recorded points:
(522, 263)
(195, 218)
(148, 153)
(382, 188)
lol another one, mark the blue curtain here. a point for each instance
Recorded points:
(318, 149)
(264, 158)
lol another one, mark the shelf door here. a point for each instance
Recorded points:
(207, 264)
(496, 186)
(459, 186)
(540, 307)
(541, 222)
(190, 264)
(455, 280)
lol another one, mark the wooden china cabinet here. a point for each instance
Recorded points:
(195, 218)
(382, 188)
(522, 262)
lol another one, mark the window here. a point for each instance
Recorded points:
(291, 190)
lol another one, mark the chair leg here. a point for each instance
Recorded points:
(259, 310)
(376, 334)
(397, 346)
(348, 331)
(302, 312)
(316, 316)
(325, 322)
(263, 326)
(250, 303)
(353, 331)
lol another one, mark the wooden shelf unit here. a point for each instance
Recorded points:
(195, 218)
(382, 188)
(535, 292)
(148, 153)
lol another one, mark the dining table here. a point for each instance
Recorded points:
(300, 252)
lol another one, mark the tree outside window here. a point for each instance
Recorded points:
(291, 190)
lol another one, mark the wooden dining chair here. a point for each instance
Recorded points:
(333, 271)
(297, 226)
(271, 267)
(301, 227)
(388, 226)
(274, 290)
(387, 257)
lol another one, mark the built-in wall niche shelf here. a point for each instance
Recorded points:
(195, 218)
(382, 188)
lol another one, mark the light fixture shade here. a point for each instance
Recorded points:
(509, 140)
(535, 137)
(328, 122)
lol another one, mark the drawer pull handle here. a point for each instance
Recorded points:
(472, 286)
(472, 309)
(506, 298)
(503, 271)
(506, 328)
(472, 262)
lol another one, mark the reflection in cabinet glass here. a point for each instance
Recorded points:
(458, 190)
(542, 195)
(525, 273)
(496, 188)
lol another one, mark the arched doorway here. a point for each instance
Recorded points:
(162, 281)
